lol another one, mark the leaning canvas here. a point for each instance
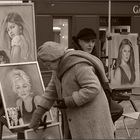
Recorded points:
(17, 33)
(53, 131)
(21, 88)
(124, 61)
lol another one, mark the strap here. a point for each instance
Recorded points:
(58, 86)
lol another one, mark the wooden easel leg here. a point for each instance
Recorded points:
(1, 129)
(20, 135)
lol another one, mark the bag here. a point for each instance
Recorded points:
(120, 95)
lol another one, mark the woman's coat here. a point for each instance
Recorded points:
(88, 117)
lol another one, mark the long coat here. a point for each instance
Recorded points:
(87, 115)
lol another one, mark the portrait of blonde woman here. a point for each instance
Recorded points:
(21, 88)
(27, 100)
(124, 72)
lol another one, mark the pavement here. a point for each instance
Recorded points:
(128, 108)
(120, 129)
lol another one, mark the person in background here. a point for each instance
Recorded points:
(85, 41)
(78, 93)
(124, 72)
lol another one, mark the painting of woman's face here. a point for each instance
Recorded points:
(17, 28)
(22, 88)
(19, 82)
(13, 29)
(126, 53)
(124, 49)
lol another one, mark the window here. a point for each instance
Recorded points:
(60, 30)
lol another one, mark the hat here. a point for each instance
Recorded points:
(51, 51)
(86, 34)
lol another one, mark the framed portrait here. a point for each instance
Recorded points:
(124, 61)
(21, 88)
(53, 131)
(17, 33)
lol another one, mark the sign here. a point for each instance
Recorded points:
(136, 9)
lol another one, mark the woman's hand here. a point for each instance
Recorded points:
(36, 118)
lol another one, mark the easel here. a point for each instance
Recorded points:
(128, 98)
(135, 116)
(112, 59)
(20, 134)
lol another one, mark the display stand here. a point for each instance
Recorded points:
(121, 86)
(124, 95)
(20, 131)
(133, 116)
(3, 121)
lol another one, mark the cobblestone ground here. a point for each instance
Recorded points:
(120, 130)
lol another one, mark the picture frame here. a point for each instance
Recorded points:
(21, 86)
(53, 131)
(20, 16)
(123, 61)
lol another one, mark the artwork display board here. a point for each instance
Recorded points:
(17, 33)
(123, 61)
(21, 86)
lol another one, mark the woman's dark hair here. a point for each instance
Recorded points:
(5, 57)
(15, 18)
(86, 34)
(131, 61)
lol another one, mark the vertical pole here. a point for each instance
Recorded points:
(108, 41)
(109, 16)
